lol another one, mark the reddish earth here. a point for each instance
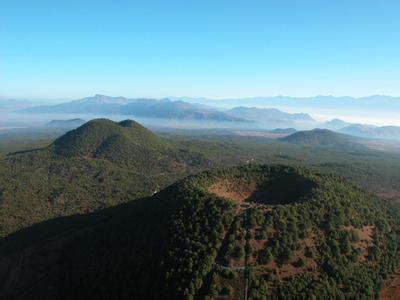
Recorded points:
(287, 270)
(258, 244)
(365, 234)
(390, 194)
(290, 269)
(392, 289)
(233, 191)
(383, 145)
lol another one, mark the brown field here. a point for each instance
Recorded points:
(261, 133)
(383, 145)
(391, 290)
(365, 234)
(390, 194)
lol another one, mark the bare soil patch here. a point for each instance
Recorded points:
(279, 190)
(391, 291)
(236, 192)
(365, 235)
(390, 194)
(290, 269)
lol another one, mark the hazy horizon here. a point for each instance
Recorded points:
(147, 96)
(209, 51)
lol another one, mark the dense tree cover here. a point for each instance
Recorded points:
(90, 138)
(186, 242)
(375, 171)
(323, 137)
(343, 274)
(176, 243)
(317, 238)
(162, 247)
(197, 231)
(98, 165)
(103, 163)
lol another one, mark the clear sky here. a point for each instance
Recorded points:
(72, 49)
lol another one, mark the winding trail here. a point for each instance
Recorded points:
(246, 261)
(245, 267)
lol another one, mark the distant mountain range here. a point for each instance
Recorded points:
(375, 102)
(363, 130)
(370, 131)
(167, 109)
(249, 117)
(149, 108)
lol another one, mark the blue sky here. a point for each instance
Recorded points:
(72, 49)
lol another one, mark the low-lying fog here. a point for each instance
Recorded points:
(11, 122)
(379, 118)
(18, 120)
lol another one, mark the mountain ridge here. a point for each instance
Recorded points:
(141, 107)
(175, 109)
(376, 102)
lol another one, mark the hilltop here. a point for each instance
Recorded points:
(265, 231)
(100, 164)
(125, 141)
(323, 137)
(371, 103)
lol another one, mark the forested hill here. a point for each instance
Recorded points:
(100, 164)
(321, 137)
(126, 141)
(265, 231)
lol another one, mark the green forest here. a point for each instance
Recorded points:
(116, 211)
